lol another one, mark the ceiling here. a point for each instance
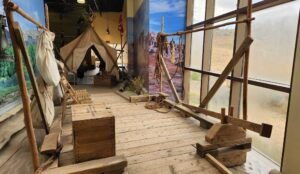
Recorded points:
(95, 5)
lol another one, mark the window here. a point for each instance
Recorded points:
(199, 11)
(222, 46)
(271, 60)
(221, 98)
(268, 106)
(274, 34)
(195, 81)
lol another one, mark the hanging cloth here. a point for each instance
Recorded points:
(45, 60)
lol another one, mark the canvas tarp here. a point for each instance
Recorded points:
(74, 52)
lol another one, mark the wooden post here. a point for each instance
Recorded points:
(28, 65)
(223, 116)
(23, 89)
(47, 17)
(160, 51)
(231, 111)
(246, 66)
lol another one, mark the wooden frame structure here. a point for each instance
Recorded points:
(236, 77)
(229, 124)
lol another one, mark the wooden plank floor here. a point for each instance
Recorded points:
(152, 142)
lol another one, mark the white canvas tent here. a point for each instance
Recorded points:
(74, 52)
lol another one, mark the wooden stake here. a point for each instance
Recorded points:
(231, 111)
(47, 17)
(23, 89)
(246, 64)
(28, 65)
(223, 116)
(160, 51)
(236, 58)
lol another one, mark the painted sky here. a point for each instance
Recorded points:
(174, 12)
(34, 8)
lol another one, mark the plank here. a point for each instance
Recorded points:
(152, 133)
(50, 143)
(191, 166)
(149, 165)
(12, 147)
(140, 143)
(11, 113)
(204, 120)
(217, 164)
(10, 127)
(92, 167)
(142, 98)
(141, 158)
(158, 146)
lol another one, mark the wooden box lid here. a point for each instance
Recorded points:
(88, 107)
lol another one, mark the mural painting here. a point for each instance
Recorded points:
(173, 12)
(8, 80)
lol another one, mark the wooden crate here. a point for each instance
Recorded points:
(88, 108)
(103, 80)
(93, 133)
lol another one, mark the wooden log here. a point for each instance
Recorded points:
(223, 169)
(106, 165)
(173, 88)
(33, 80)
(263, 129)
(236, 58)
(142, 98)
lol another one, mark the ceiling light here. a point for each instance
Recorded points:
(81, 1)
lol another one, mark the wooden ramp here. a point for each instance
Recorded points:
(152, 142)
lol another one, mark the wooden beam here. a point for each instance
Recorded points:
(142, 98)
(236, 57)
(265, 130)
(105, 165)
(205, 121)
(223, 169)
(173, 88)
(33, 81)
